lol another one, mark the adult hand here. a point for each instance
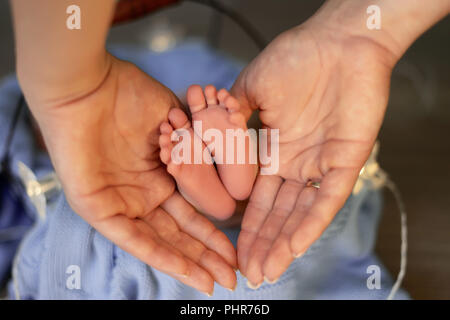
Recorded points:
(104, 146)
(326, 90)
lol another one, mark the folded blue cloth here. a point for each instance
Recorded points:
(63, 257)
(16, 214)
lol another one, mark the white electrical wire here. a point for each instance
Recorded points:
(404, 237)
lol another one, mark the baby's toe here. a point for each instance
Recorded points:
(165, 128)
(222, 95)
(178, 119)
(211, 95)
(195, 98)
(164, 141)
(165, 154)
(232, 104)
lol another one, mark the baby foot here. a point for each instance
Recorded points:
(220, 111)
(198, 183)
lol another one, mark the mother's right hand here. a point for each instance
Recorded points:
(104, 147)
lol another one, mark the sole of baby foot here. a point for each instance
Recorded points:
(221, 111)
(197, 182)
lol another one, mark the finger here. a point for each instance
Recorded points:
(199, 227)
(259, 206)
(335, 188)
(238, 90)
(284, 205)
(198, 279)
(140, 240)
(257, 254)
(205, 260)
(277, 259)
(280, 255)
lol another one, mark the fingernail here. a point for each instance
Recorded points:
(270, 281)
(209, 294)
(253, 286)
(298, 255)
(234, 288)
(186, 274)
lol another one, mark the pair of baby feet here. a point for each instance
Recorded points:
(211, 190)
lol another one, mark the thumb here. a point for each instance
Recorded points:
(240, 91)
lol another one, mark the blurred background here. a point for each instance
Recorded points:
(414, 139)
